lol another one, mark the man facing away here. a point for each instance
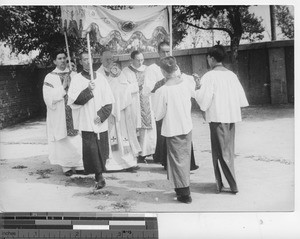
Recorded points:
(64, 142)
(91, 102)
(141, 107)
(153, 80)
(221, 96)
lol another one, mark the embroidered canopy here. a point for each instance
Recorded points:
(141, 27)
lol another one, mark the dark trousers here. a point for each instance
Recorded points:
(183, 191)
(95, 152)
(222, 146)
(160, 155)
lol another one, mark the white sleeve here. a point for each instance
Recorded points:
(52, 94)
(160, 104)
(190, 82)
(150, 81)
(133, 85)
(106, 92)
(241, 93)
(204, 95)
(75, 89)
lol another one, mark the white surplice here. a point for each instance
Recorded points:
(124, 146)
(172, 103)
(64, 150)
(84, 115)
(221, 96)
(146, 137)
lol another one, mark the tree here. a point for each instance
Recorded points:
(285, 20)
(27, 28)
(236, 21)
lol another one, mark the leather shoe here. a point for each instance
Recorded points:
(82, 172)
(69, 173)
(194, 168)
(184, 199)
(100, 184)
(227, 190)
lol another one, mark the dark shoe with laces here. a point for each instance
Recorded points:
(185, 199)
(82, 172)
(132, 169)
(100, 184)
(195, 167)
(227, 190)
(141, 159)
(69, 173)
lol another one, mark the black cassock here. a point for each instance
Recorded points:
(160, 155)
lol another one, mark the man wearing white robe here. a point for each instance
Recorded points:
(64, 142)
(124, 146)
(91, 102)
(172, 105)
(221, 96)
(153, 80)
(141, 107)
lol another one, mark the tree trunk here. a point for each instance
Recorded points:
(273, 22)
(235, 20)
(234, 46)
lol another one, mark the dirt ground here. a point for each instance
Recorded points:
(264, 170)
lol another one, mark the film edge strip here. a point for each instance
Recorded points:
(50, 225)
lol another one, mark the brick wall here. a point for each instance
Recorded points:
(20, 94)
(266, 71)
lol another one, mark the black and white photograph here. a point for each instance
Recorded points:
(141, 108)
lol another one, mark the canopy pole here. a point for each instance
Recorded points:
(92, 77)
(68, 52)
(90, 56)
(170, 28)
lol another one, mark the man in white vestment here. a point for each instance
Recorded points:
(124, 146)
(141, 107)
(64, 142)
(173, 105)
(154, 79)
(221, 96)
(91, 101)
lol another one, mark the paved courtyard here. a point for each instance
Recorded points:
(264, 170)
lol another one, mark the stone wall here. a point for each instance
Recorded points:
(20, 94)
(266, 71)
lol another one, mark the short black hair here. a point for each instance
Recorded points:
(163, 43)
(57, 52)
(218, 52)
(168, 64)
(83, 52)
(134, 53)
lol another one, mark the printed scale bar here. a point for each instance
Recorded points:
(78, 225)
(37, 234)
(80, 215)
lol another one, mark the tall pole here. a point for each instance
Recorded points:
(90, 56)
(170, 28)
(92, 76)
(68, 52)
(273, 22)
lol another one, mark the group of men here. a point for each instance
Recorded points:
(107, 121)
